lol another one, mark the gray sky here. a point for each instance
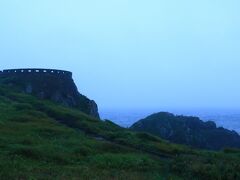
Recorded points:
(131, 53)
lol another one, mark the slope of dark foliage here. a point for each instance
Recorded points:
(189, 131)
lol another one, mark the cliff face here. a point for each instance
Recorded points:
(51, 86)
(189, 131)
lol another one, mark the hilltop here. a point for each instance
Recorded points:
(50, 84)
(188, 130)
(44, 139)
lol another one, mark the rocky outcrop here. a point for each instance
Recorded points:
(189, 131)
(56, 87)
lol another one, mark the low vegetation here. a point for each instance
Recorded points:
(43, 140)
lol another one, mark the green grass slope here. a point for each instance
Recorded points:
(43, 140)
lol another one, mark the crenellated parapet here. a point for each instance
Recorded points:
(55, 72)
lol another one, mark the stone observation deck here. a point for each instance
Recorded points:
(55, 72)
(49, 84)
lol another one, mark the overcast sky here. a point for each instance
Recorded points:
(131, 53)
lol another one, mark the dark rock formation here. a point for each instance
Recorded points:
(189, 131)
(54, 85)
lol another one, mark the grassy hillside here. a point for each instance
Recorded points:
(42, 140)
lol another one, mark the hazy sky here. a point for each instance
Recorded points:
(131, 53)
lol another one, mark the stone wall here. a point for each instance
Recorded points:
(56, 72)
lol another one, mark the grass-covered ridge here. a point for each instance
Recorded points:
(43, 140)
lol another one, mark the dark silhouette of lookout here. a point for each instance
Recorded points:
(54, 72)
(51, 84)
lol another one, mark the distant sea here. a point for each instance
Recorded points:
(227, 118)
